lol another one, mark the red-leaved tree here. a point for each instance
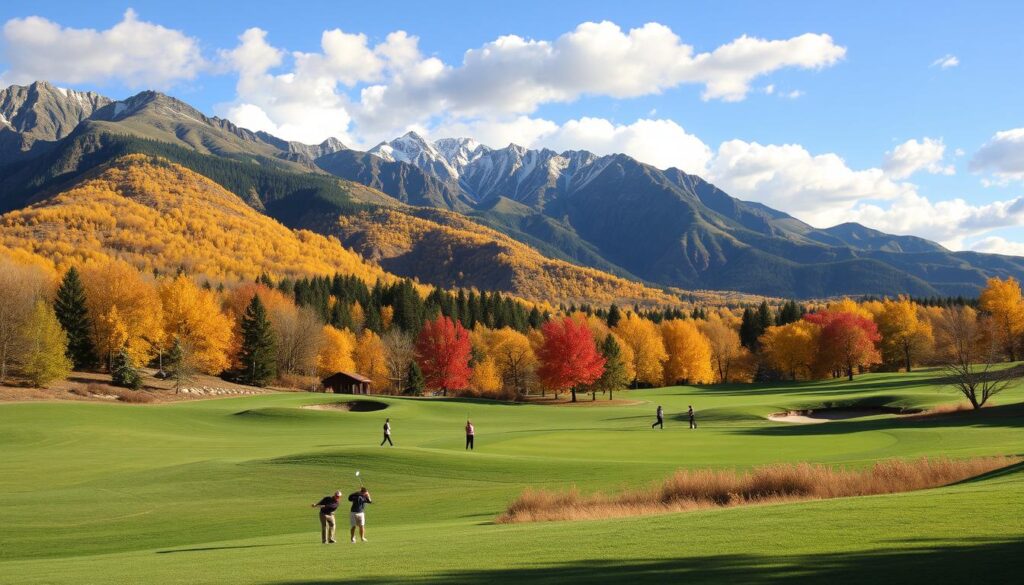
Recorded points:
(443, 351)
(568, 357)
(848, 341)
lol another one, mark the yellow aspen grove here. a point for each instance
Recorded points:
(1002, 300)
(358, 316)
(726, 350)
(689, 353)
(128, 311)
(906, 332)
(791, 349)
(513, 354)
(43, 344)
(644, 339)
(371, 360)
(193, 316)
(486, 378)
(336, 352)
(387, 315)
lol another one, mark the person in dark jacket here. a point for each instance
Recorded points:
(357, 514)
(660, 421)
(693, 421)
(328, 505)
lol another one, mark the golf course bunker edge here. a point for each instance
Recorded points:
(350, 406)
(830, 414)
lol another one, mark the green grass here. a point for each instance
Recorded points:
(218, 491)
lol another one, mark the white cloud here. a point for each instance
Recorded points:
(817, 188)
(913, 156)
(998, 245)
(393, 86)
(796, 93)
(133, 52)
(946, 62)
(1002, 155)
(661, 143)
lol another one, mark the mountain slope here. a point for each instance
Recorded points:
(160, 216)
(33, 117)
(448, 250)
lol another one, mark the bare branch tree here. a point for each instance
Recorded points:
(971, 355)
(399, 352)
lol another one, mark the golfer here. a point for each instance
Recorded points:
(470, 432)
(693, 421)
(327, 506)
(357, 514)
(660, 422)
(387, 433)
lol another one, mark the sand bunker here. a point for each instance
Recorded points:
(824, 415)
(351, 406)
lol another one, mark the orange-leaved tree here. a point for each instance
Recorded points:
(848, 340)
(568, 357)
(443, 351)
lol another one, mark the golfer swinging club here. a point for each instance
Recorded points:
(470, 434)
(327, 507)
(357, 514)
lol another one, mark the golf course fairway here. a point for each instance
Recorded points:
(219, 491)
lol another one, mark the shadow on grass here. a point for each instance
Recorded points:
(990, 562)
(209, 548)
(1009, 415)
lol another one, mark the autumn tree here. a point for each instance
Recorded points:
(125, 311)
(20, 287)
(905, 335)
(725, 346)
(371, 359)
(43, 348)
(71, 311)
(486, 377)
(689, 353)
(336, 351)
(298, 333)
(1002, 300)
(848, 341)
(645, 343)
(258, 357)
(443, 351)
(514, 357)
(792, 348)
(194, 320)
(969, 353)
(399, 355)
(568, 358)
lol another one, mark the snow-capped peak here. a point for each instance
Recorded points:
(413, 149)
(460, 152)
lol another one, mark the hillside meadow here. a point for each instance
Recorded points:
(218, 491)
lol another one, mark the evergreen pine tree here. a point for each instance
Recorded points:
(74, 318)
(764, 317)
(124, 373)
(180, 365)
(614, 376)
(416, 381)
(535, 319)
(749, 329)
(614, 315)
(258, 359)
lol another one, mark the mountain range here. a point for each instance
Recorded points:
(453, 211)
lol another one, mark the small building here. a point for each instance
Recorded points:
(346, 383)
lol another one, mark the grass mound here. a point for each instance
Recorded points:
(705, 488)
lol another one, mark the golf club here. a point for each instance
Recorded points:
(360, 479)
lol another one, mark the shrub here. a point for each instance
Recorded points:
(135, 396)
(705, 488)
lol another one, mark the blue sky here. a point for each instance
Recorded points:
(820, 126)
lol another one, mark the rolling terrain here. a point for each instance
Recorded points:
(218, 491)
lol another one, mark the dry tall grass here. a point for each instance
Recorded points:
(705, 488)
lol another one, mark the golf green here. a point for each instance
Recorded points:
(219, 491)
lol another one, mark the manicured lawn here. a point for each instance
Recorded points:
(218, 491)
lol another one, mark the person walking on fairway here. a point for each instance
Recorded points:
(470, 433)
(327, 506)
(660, 422)
(357, 514)
(387, 433)
(693, 421)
